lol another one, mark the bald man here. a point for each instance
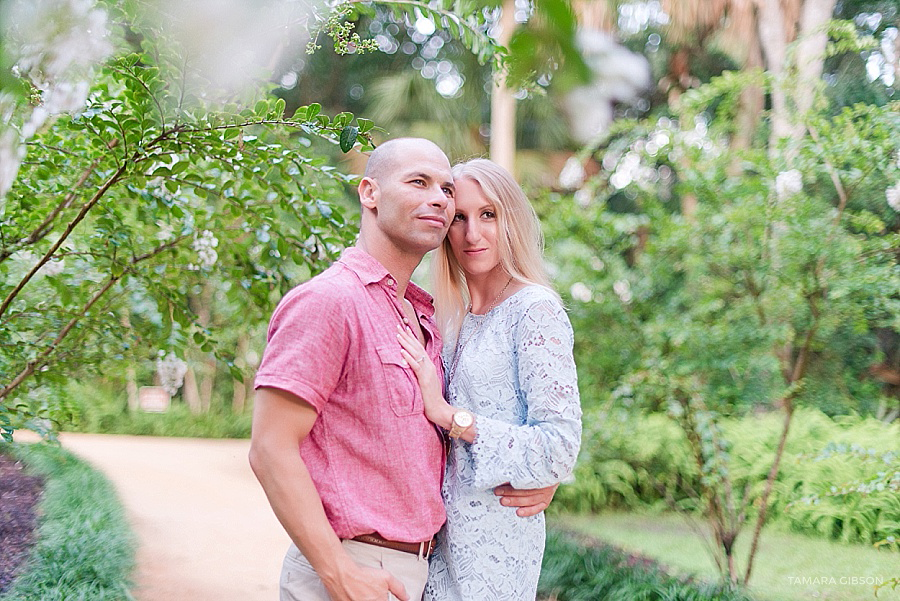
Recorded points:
(361, 500)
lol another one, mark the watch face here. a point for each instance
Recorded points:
(463, 419)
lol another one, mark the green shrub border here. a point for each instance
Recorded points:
(85, 547)
(578, 568)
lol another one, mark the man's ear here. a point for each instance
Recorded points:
(368, 193)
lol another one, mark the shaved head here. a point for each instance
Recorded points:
(407, 200)
(385, 159)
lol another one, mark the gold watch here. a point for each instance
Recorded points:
(462, 421)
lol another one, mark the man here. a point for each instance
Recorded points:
(361, 500)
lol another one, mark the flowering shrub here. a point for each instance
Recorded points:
(130, 187)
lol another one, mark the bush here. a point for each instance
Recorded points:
(84, 548)
(840, 478)
(103, 411)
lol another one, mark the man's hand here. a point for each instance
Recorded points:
(362, 583)
(530, 501)
(281, 422)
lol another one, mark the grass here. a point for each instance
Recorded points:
(788, 566)
(177, 421)
(583, 570)
(84, 548)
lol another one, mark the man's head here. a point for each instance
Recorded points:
(407, 197)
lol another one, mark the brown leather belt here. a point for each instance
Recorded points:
(422, 549)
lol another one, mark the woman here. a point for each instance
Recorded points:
(512, 408)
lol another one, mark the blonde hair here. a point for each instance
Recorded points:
(521, 243)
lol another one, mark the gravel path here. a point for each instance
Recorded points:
(205, 528)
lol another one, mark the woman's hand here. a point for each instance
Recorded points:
(437, 410)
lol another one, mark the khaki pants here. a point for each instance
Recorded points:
(299, 582)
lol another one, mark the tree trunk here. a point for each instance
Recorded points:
(239, 397)
(191, 393)
(131, 387)
(773, 42)
(503, 104)
(750, 105)
(795, 85)
(203, 308)
(811, 46)
(207, 384)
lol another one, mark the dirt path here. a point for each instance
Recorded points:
(205, 529)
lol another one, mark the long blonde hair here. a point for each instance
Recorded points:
(521, 243)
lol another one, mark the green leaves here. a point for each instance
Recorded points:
(172, 218)
(348, 137)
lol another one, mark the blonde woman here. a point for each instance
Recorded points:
(512, 410)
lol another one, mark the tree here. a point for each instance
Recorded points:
(770, 295)
(121, 212)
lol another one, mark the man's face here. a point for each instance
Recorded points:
(415, 200)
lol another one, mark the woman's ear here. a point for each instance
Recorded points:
(368, 193)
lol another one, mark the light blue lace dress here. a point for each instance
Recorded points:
(517, 375)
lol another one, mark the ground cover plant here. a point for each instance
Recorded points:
(576, 568)
(789, 566)
(84, 548)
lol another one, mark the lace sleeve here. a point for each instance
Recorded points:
(543, 451)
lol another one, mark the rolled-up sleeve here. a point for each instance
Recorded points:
(306, 346)
(543, 450)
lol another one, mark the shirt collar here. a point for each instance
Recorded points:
(371, 271)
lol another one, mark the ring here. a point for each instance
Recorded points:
(420, 359)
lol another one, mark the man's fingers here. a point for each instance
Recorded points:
(528, 501)
(396, 588)
(504, 490)
(527, 512)
(520, 500)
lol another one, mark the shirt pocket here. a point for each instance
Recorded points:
(400, 383)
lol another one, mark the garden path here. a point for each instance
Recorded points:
(205, 529)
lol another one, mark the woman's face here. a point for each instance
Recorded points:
(473, 230)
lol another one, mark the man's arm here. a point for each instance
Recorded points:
(281, 421)
(529, 501)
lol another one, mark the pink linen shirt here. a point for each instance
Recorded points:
(375, 459)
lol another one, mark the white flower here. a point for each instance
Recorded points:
(893, 197)
(205, 245)
(623, 290)
(165, 231)
(572, 174)
(583, 197)
(171, 372)
(788, 183)
(580, 292)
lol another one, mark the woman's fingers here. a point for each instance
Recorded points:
(410, 360)
(407, 335)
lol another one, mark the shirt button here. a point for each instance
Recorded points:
(390, 282)
(406, 320)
